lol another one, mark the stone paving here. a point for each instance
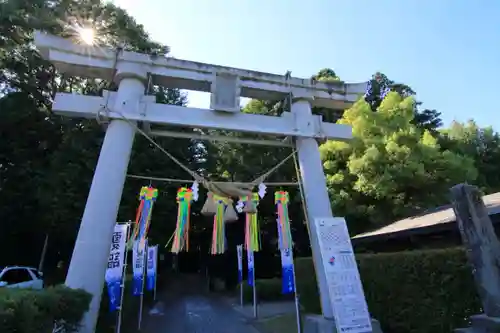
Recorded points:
(193, 311)
(195, 314)
(264, 310)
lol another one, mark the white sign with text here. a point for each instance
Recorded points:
(344, 284)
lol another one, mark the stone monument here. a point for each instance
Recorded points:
(483, 254)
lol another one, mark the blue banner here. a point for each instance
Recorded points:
(114, 271)
(143, 222)
(151, 267)
(288, 283)
(138, 269)
(287, 269)
(251, 268)
(114, 294)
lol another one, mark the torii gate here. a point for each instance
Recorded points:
(131, 70)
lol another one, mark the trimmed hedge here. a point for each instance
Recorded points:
(429, 291)
(35, 311)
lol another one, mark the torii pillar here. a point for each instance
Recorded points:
(88, 262)
(341, 294)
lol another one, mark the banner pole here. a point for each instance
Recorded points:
(124, 274)
(254, 287)
(144, 253)
(297, 299)
(254, 293)
(156, 273)
(241, 293)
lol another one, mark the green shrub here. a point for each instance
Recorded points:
(267, 290)
(408, 292)
(35, 311)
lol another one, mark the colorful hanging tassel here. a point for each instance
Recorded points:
(181, 236)
(147, 197)
(281, 200)
(252, 239)
(219, 233)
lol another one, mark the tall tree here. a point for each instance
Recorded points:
(390, 169)
(480, 144)
(47, 162)
(326, 75)
(380, 85)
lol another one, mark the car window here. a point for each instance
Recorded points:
(16, 275)
(36, 274)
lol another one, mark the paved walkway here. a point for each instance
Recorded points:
(264, 310)
(191, 310)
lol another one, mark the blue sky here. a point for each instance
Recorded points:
(446, 50)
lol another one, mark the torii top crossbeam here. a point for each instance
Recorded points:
(226, 84)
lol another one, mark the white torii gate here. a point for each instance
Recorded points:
(131, 70)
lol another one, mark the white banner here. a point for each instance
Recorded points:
(239, 250)
(151, 267)
(114, 271)
(138, 258)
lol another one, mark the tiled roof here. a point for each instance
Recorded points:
(437, 216)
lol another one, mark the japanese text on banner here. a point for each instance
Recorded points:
(151, 267)
(288, 283)
(251, 268)
(239, 250)
(138, 258)
(114, 271)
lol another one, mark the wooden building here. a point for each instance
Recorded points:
(434, 228)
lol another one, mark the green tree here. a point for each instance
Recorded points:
(391, 168)
(326, 75)
(482, 145)
(380, 85)
(47, 162)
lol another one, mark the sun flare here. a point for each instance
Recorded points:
(87, 35)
